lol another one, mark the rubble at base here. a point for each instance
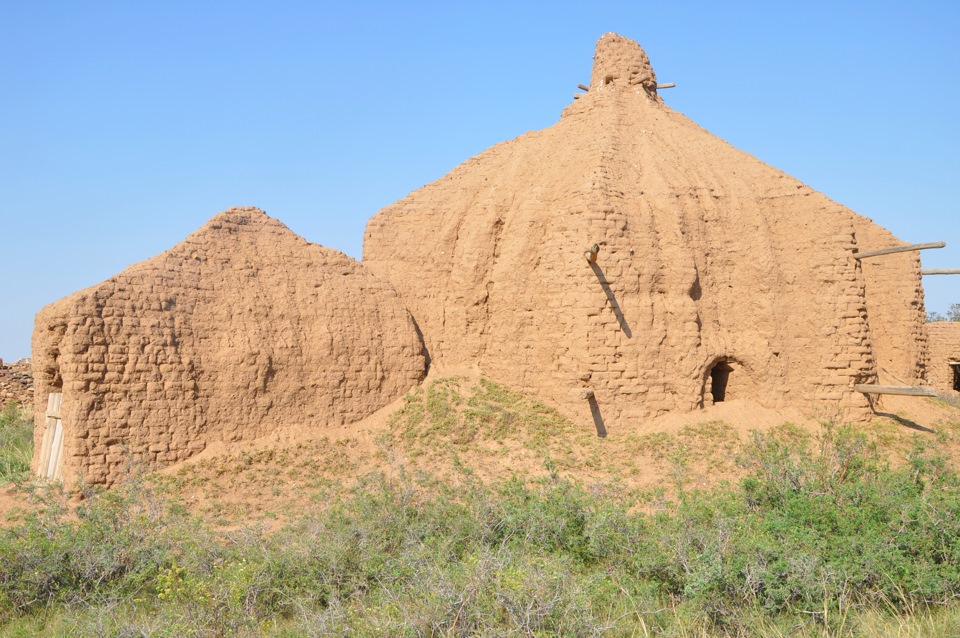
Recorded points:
(16, 382)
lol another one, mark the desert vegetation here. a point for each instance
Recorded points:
(821, 535)
(953, 314)
(16, 441)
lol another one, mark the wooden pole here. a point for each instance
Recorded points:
(899, 249)
(941, 271)
(668, 85)
(582, 87)
(905, 390)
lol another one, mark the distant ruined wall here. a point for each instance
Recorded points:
(241, 329)
(944, 347)
(706, 256)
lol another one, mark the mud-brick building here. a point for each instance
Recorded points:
(242, 329)
(628, 256)
(943, 365)
(620, 264)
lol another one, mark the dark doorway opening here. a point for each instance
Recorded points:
(719, 377)
(956, 376)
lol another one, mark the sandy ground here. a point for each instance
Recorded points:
(279, 477)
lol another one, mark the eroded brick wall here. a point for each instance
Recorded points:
(944, 347)
(895, 307)
(242, 329)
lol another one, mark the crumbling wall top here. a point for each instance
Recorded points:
(623, 64)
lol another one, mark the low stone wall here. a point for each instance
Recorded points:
(16, 382)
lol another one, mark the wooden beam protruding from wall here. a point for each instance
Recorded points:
(905, 390)
(899, 249)
(941, 271)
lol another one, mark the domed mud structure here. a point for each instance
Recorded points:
(242, 329)
(625, 263)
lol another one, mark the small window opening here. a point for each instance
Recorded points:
(719, 377)
(956, 376)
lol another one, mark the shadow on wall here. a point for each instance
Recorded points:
(597, 417)
(423, 346)
(719, 377)
(611, 298)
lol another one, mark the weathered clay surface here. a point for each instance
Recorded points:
(239, 330)
(894, 296)
(944, 347)
(706, 255)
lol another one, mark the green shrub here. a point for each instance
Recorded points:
(16, 442)
(453, 413)
(808, 543)
(113, 544)
(815, 534)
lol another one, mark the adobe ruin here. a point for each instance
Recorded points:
(943, 366)
(620, 264)
(241, 330)
(627, 255)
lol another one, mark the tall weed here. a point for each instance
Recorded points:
(16, 442)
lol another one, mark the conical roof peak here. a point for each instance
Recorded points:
(708, 257)
(622, 64)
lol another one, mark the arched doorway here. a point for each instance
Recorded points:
(721, 381)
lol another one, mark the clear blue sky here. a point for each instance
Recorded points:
(124, 126)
